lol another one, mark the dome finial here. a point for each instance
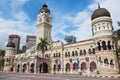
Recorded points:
(98, 6)
(45, 5)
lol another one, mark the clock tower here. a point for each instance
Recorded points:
(44, 24)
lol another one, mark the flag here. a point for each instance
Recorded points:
(87, 65)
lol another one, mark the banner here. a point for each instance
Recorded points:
(78, 62)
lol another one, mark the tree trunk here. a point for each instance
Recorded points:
(117, 55)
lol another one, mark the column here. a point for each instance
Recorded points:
(35, 66)
(71, 67)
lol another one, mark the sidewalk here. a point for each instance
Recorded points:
(103, 75)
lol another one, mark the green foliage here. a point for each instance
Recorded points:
(2, 52)
(116, 35)
(42, 45)
(70, 39)
(2, 62)
(116, 38)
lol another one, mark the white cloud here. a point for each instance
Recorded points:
(16, 25)
(82, 20)
(13, 27)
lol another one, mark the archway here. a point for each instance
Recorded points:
(104, 45)
(83, 66)
(12, 68)
(18, 68)
(45, 68)
(106, 61)
(59, 67)
(32, 67)
(24, 67)
(93, 66)
(67, 67)
(75, 66)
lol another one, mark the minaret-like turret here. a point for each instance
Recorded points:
(9, 57)
(102, 35)
(44, 21)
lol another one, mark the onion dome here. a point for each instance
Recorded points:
(100, 12)
(10, 44)
(45, 9)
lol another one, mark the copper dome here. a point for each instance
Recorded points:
(100, 12)
(45, 9)
(10, 44)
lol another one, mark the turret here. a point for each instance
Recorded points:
(9, 57)
(102, 35)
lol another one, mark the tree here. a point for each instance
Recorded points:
(2, 53)
(42, 46)
(116, 38)
(70, 39)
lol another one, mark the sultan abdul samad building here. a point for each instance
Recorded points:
(88, 56)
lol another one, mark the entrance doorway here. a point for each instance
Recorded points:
(43, 68)
(32, 68)
(93, 66)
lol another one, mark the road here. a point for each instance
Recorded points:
(25, 76)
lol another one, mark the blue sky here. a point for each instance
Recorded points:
(70, 17)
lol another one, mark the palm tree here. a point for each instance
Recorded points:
(116, 38)
(42, 46)
(2, 53)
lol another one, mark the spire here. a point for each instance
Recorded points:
(44, 6)
(98, 6)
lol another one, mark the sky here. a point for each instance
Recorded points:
(69, 17)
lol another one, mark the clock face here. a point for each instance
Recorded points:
(40, 19)
(47, 20)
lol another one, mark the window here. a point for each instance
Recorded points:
(65, 54)
(93, 50)
(76, 53)
(99, 47)
(89, 51)
(80, 52)
(111, 62)
(84, 51)
(72, 53)
(54, 55)
(59, 54)
(109, 46)
(106, 61)
(104, 45)
(69, 54)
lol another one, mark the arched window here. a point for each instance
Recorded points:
(99, 47)
(83, 66)
(111, 62)
(104, 45)
(75, 66)
(76, 53)
(109, 46)
(72, 53)
(106, 61)
(69, 54)
(59, 54)
(54, 54)
(80, 52)
(93, 66)
(89, 51)
(65, 54)
(59, 67)
(93, 50)
(67, 67)
(84, 51)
